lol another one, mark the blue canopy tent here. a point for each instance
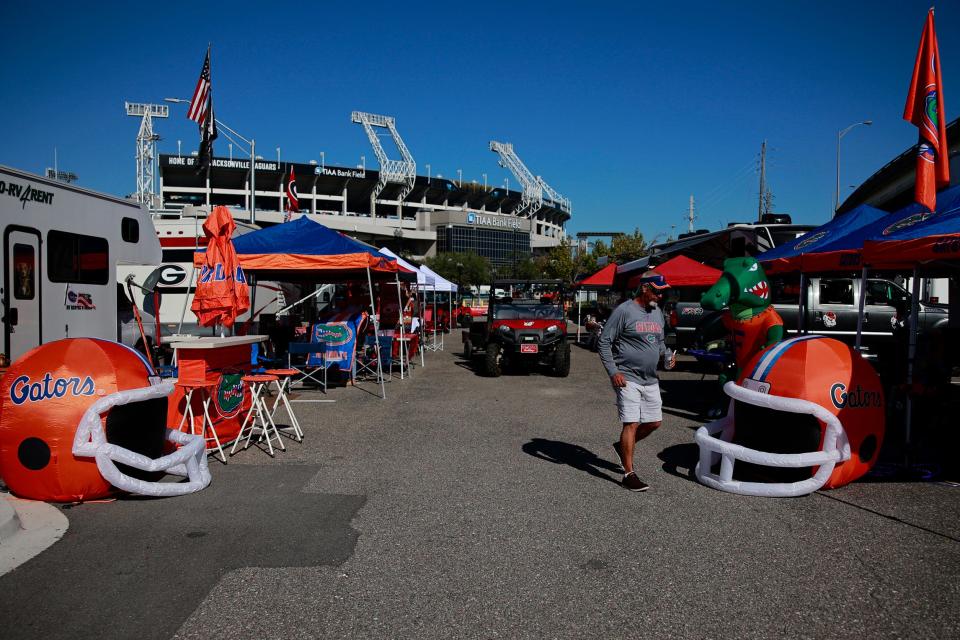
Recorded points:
(788, 256)
(922, 241)
(932, 239)
(305, 250)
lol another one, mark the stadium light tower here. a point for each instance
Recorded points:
(146, 149)
(535, 189)
(402, 172)
(531, 198)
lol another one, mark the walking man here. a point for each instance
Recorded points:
(631, 345)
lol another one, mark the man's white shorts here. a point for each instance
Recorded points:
(639, 403)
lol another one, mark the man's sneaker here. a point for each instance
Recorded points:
(616, 448)
(632, 482)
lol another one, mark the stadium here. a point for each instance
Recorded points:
(416, 215)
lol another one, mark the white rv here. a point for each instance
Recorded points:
(62, 247)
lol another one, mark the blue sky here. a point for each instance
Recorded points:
(627, 109)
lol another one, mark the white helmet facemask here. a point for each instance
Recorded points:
(713, 449)
(189, 460)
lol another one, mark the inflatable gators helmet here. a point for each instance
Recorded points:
(808, 411)
(82, 417)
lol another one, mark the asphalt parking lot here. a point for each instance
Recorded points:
(471, 507)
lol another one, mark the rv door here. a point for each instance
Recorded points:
(21, 291)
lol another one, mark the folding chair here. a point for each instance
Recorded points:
(307, 371)
(366, 358)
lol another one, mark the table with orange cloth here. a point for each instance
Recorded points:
(220, 363)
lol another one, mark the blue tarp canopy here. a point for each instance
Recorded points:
(846, 253)
(935, 238)
(788, 256)
(303, 248)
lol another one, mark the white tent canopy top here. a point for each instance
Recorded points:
(441, 283)
(423, 279)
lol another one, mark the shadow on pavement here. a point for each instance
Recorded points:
(687, 398)
(573, 455)
(680, 460)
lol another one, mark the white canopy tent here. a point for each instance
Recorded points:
(443, 285)
(424, 281)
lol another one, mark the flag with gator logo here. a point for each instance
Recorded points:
(926, 111)
(340, 342)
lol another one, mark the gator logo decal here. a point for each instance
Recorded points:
(909, 221)
(230, 393)
(808, 240)
(335, 334)
(930, 110)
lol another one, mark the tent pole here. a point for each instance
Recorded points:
(911, 354)
(400, 325)
(863, 298)
(421, 309)
(802, 308)
(252, 284)
(313, 294)
(376, 334)
(579, 321)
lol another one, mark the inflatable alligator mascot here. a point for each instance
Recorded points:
(749, 321)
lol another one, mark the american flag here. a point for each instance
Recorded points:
(199, 104)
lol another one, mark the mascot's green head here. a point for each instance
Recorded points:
(743, 287)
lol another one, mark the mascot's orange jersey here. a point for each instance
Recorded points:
(750, 335)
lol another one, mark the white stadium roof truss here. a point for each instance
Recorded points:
(534, 187)
(403, 172)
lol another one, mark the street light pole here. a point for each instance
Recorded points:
(460, 178)
(323, 161)
(840, 134)
(428, 175)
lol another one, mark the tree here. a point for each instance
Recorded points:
(628, 247)
(462, 268)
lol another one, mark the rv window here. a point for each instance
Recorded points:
(24, 272)
(76, 258)
(130, 230)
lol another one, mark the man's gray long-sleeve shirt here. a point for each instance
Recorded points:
(631, 343)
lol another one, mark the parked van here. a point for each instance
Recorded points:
(61, 248)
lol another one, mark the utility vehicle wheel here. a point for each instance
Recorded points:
(561, 360)
(493, 359)
(468, 350)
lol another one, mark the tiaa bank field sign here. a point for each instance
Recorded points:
(493, 221)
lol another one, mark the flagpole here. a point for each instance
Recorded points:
(400, 324)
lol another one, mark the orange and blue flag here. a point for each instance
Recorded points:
(926, 111)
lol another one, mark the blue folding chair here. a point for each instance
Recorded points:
(367, 356)
(308, 371)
